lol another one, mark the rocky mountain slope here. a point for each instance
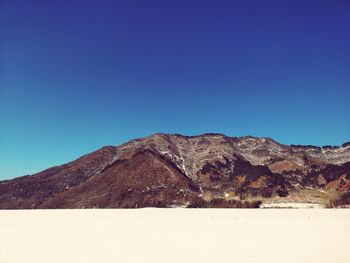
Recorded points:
(210, 170)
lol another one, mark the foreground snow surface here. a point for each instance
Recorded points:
(175, 235)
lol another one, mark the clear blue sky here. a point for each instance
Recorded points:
(78, 75)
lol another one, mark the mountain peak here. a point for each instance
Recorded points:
(176, 170)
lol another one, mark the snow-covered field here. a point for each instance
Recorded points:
(291, 205)
(175, 235)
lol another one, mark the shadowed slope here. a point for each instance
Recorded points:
(147, 179)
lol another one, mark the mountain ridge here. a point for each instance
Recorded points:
(217, 167)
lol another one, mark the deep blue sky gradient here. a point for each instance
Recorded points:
(78, 75)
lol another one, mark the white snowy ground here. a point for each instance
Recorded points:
(291, 205)
(175, 235)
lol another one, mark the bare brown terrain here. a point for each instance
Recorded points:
(210, 170)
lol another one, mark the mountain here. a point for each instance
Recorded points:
(209, 170)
